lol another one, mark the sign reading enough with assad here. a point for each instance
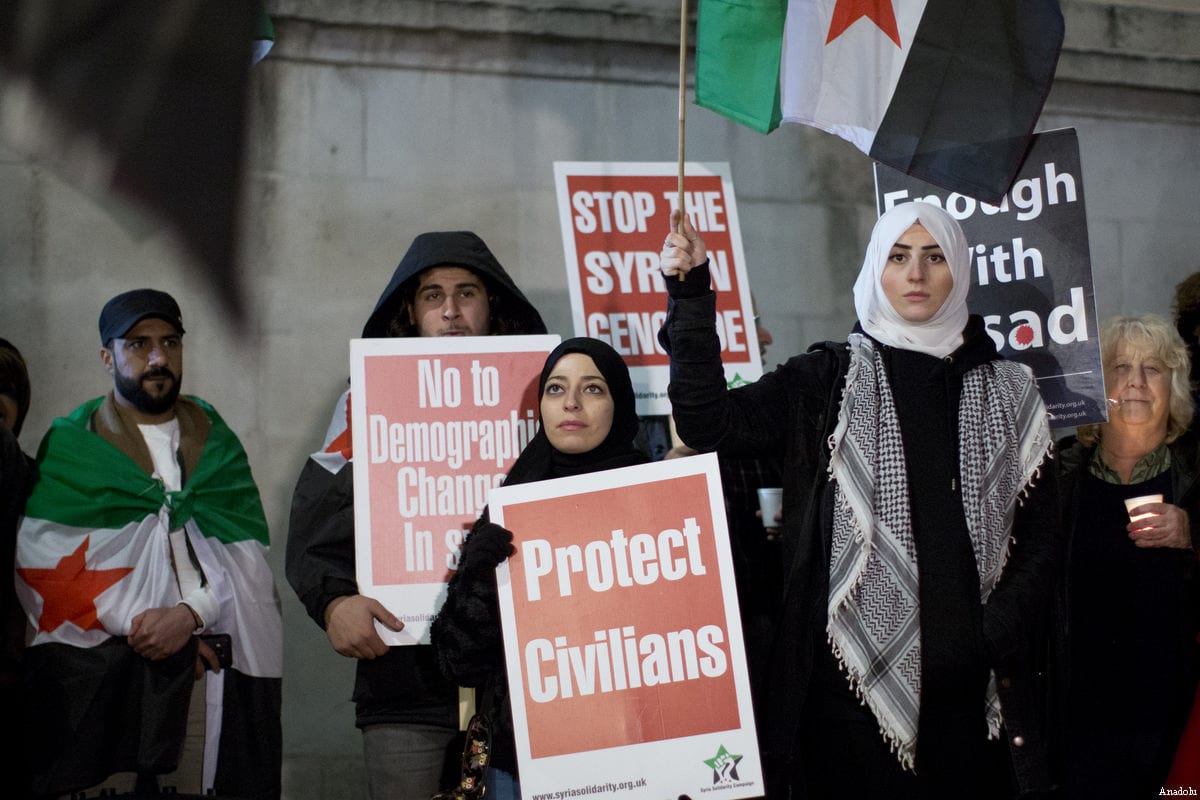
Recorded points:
(1032, 272)
(442, 420)
(614, 217)
(622, 639)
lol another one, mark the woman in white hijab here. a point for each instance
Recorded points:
(919, 527)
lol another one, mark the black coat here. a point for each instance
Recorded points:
(1135, 615)
(16, 477)
(466, 634)
(405, 685)
(789, 414)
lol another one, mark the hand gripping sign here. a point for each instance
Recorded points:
(437, 424)
(626, 663)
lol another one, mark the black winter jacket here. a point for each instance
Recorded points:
(405, 685)
(788, 414)
(1175, 656)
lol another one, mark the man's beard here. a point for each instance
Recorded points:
(132, 390)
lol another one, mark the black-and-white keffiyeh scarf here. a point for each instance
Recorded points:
(874, 621)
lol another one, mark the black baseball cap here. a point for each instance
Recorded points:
(128, 309)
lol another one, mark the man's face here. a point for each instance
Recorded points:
(147, 366)
(451, 301)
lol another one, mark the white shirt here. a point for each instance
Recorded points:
(163, 442)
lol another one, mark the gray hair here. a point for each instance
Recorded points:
(1160, 338)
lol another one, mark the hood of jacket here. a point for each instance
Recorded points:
(455, 249)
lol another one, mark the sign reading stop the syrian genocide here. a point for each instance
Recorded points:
(626, 663)
(1031, 276)
(614, 218)
(437, 424)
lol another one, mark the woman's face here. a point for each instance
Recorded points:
(577, 407)
(1139, 388)
(916, 278)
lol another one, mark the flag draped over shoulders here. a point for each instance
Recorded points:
(86, 482)
(945, 90)
(93, 553)
(95, 519)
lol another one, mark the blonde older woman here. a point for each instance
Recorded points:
(1131, 584)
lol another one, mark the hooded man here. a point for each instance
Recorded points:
(447, 284)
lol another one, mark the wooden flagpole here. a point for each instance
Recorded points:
(683, 16)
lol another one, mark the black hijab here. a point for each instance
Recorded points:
(539, 460)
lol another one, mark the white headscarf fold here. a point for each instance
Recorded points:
(940, 334)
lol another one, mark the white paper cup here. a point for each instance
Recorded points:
(1133, 502)
(770, 500)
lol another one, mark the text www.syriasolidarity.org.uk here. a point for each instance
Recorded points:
(594, 788)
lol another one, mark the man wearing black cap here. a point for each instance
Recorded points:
(448, 284)
(142, 569)
(141, 338)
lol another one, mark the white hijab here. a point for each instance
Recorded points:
(942, 333)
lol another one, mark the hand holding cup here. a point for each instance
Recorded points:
(1134, 504)
(1154, 523)
(770, 505)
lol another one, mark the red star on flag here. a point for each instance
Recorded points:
(69, 591)
(847, 12)
(343, 443)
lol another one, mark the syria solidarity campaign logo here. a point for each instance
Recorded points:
(724, 766)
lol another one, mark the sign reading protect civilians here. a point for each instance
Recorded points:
(626, 663)
(442, 420)
(1031, 272)
(614, 217)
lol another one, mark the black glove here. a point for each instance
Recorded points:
(485, 547)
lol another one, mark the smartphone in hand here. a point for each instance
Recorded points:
(222, 645)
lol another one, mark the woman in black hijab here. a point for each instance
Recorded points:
(588, 423)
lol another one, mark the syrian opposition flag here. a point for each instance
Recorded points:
(338, 447)
(145, 101)
(948, 91)
(92, 553)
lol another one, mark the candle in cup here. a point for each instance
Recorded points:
(1133, 502)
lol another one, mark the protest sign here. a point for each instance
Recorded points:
(614, 218)
(437, 423)
(1031, 276)
(626, 662)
